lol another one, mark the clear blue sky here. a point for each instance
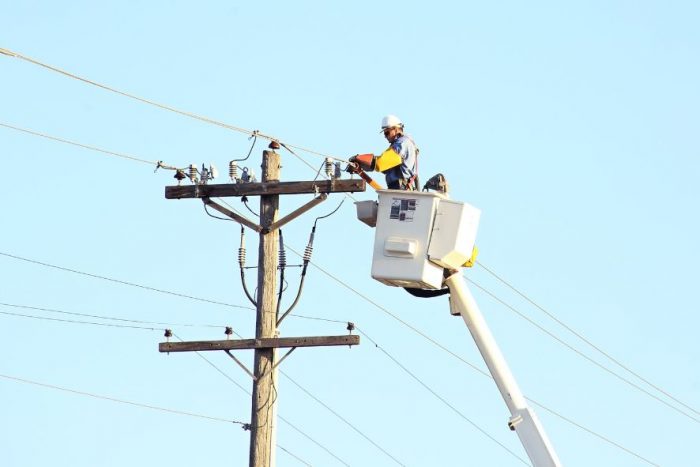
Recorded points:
(573, 126)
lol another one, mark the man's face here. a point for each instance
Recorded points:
(391, 133)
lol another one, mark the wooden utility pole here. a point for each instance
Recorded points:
(267, 340)
(264, 396)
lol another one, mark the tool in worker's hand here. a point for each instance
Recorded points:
(357, 165)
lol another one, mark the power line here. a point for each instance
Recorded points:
(84, 146)
(344, 420)
(118, 281)
(111, 318)
(45, 318)
(11, 53)
(584, 339)
(597, 435)
(599, 365)
(441, 399)
(294, 456)
(121, 401)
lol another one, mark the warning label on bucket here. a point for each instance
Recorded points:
(403, 209)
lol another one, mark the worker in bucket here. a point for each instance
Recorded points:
(399, 163)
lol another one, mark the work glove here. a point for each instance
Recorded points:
(352, 168)
(364, 161)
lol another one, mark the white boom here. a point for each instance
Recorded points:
(523, 420)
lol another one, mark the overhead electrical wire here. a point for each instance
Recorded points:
(121, 401)
(80, 145)
(578, 352)
(118, 281)
(112, 318)
(25, 58)
(441, 399)
(294, 456)
(584, 339)
(343, 419)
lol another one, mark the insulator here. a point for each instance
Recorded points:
(338, 170)
(233, 170)
(283, 258)
(228, 331)
(328, 165)
(168, 333)
(241, 256)
(307, 252)
(193, 173)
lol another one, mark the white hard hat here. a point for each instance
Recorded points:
(391, 121)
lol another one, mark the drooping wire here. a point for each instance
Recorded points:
(306, 259)
(250, 151)
(206, 209)
(241, 263)
(244, 200)
(282, 265)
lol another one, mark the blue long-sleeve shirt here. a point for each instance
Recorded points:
(405, 147)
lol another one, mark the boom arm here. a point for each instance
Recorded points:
(523, 420)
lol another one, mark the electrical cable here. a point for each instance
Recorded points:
(282, 265)
(118, 281)
(597, 435)
(121, 401)
(440, 398)
(206, 209)
(111, 318)
(46, 318)
(570, 347)
(256, 133)
(241, 263)
(80, 145)
(344, 420)
(584, 339)
(294, 456)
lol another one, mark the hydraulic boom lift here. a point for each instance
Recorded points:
(423, 240)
